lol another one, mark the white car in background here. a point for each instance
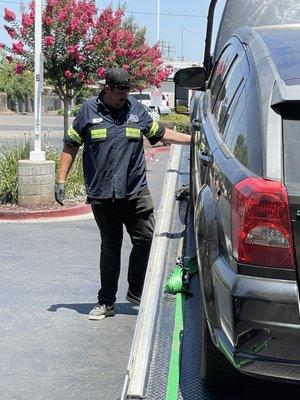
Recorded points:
(165, 105)
(146, 99)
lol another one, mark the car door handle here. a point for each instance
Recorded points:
(196, 124)
(206, 159)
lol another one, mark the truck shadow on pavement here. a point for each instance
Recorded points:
(85, 308)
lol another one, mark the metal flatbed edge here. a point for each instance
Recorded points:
(166, 246)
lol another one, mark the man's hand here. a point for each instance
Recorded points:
(60, 192)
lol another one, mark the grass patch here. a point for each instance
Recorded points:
(9, 158)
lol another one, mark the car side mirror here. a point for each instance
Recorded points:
(186, 80)
(191, 78)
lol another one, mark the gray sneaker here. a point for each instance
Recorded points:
(101, 311)
(132, 298)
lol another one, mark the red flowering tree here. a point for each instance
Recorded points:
(80, 43)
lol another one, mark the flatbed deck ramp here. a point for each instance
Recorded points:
(153, 365)
(164, 362)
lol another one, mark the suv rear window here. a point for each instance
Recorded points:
(291, 143)
(284, 45)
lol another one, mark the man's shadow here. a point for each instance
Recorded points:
(85, 308)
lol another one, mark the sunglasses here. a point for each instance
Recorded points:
(121, 87)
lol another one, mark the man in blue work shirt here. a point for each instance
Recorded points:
(111, 127)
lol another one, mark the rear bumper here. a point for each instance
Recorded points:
(259, 323)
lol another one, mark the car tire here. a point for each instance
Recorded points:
(216, 370)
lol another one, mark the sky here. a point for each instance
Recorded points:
(182, 24)
(181, 29)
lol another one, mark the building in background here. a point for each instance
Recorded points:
(168, 86)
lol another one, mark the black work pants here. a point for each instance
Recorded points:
(137, 216)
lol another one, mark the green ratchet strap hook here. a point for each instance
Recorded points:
(177, 282)
(179, 278)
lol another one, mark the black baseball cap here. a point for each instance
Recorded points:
(118, 77)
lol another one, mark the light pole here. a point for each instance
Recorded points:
(36, 176)
(182, 29)
(38, 154)
(157, 21)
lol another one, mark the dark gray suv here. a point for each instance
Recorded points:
(245, 189)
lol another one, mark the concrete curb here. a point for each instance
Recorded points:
(79, 209)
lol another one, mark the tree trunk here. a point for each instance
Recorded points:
(66, 115)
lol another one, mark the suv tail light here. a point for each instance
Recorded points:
(261, 224)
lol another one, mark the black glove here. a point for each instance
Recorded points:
(60, 192)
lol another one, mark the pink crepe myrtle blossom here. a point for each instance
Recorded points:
(18, 48)
(62, 16)
(48, 20)
(2, 45)
(68, 74)
(72, 49)
(101, 72)
(89, 47)
(81, 76)
(27, 20)
(9, 15)
(11, 31)
(49, 41)
(19, 68)
(80, 58)
(24, 31)
(52, 3)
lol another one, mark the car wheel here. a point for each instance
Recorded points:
(216, 370)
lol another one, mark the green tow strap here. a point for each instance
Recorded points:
(177, 284)
(174, 367)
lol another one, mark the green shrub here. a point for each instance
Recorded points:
(181, 122)
(9, 158)
(72, 111)
(75, 185)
